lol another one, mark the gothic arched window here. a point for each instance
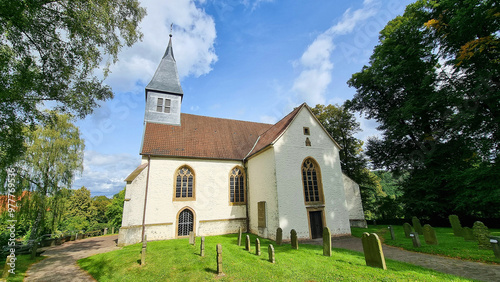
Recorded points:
(185, 222)
(311, 179)
(184, 184)
(237, 186)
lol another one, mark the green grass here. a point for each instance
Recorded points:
(176, 260)
(449, 245)
(23, 262)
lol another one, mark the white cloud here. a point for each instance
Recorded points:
(194, 30)
(104, 174)
(315, 63)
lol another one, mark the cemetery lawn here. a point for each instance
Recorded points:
(448, 244)
(23, 262)
(175, 260)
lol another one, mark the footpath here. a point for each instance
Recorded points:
(467, 269)
(61, 262)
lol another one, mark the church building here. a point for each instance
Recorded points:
(213, 176)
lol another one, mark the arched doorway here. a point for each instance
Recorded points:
(185, 222)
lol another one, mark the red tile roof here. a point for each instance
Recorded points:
(203, 137)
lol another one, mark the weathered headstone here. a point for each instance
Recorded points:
(430, 235)
(417, 226)
(468, 234)
(391, 229)
(482, 235)
(219, 259)
(374, 256)
(495, 245)
(415, 239)
(247, 243)
(192, 238)
(294, 241)
(257, 246)
(327, 242)
(239, 237)
(375, 223)
(202, 246)
(279, 236)
(105, 231)
(113, 230)
(143, 255)
(270, 250)
(407, 229)
(455, 225)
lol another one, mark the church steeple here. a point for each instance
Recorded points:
(164, 92)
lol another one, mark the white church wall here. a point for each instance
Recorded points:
(262, 183)
(290, 152)
(354, 204)
(212, 211)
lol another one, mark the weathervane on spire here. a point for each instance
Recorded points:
(171, 27)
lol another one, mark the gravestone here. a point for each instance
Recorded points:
(270, 250)
(257, 246)
(430, 235)
(495, 245)
(455, 225)
(143, 255)
(482, 235)
(239, 237)
(407, 229)
(417, 226)
(192, 238)
(391, 229)
(327, 242)
(219, 260)
(105, 231)
(415, 239)
(247, 243)
(294, 242)
(468, 234)
(202, 246)
(279, 236)
(374, 256)
(113, 230)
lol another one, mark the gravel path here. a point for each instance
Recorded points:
(468, 269)
(61, 262)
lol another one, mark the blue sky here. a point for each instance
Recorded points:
(249, 60)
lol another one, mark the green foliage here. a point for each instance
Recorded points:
(101, 204)
(114, 212)
(305, 264)
(48, 52)
(80, 214)
(23, 262)
(434, 90)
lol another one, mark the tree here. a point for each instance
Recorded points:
(433, 88)
(81, 212)
(115, 210)
(54, 154)
(48, 52)
(101, 204)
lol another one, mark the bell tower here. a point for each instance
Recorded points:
(164, 93)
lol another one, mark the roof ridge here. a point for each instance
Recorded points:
(295, 109)
(230, 119)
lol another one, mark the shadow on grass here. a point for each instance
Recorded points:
(209, 270)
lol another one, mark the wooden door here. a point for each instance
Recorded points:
(316, 221)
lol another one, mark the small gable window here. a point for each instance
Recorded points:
(311, 179)
(163, 107)
(184, 184)
(306, 131)
(236, 186)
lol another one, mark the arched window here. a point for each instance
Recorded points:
(185, 222)
(184, 184)
(311, 179)
(237, 186)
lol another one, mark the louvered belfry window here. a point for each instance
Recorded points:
(311, 180)
(184, 185)
(237, 186)
(186, 220)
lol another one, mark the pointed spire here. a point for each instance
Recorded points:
(166, 77)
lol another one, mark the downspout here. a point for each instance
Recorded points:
(245, 167)
(145, 201)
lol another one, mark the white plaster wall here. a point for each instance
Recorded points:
(214, 227)
(353, 198)
(262, 187)
(290, 151)
(211, 192)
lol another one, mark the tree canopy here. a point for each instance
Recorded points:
(433, 86)
(49, 51)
